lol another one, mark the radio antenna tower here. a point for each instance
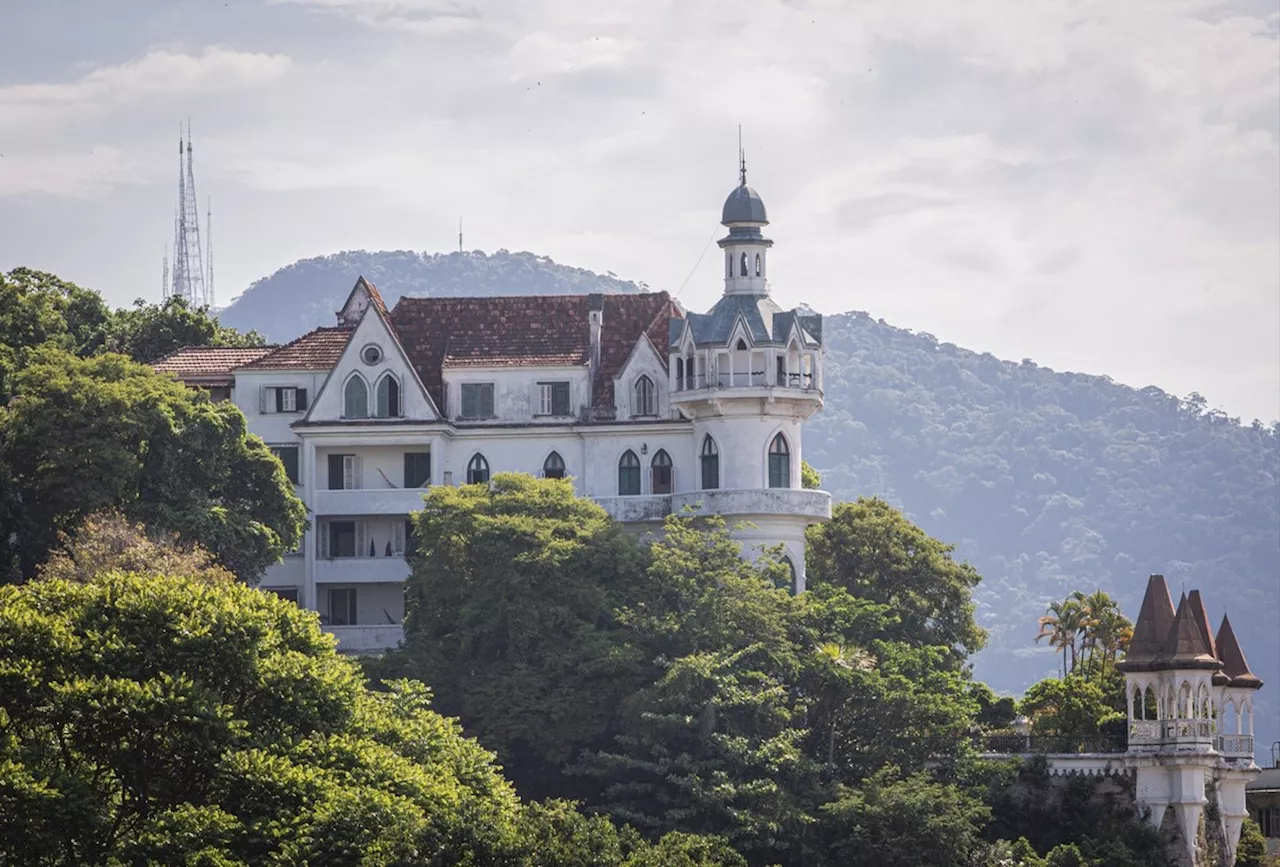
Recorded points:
(208, 235)
(188, 267)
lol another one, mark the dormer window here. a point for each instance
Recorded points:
(477, 400)
(355, 398)
(646, 401)
(387, 397)
(553, 398)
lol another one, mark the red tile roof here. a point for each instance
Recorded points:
(316, 350)
(551, 330)
(209, 362)
(1234, 665)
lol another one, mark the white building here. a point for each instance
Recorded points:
(647, 408)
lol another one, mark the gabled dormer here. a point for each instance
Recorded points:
(373, 380)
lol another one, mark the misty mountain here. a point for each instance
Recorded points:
(1046, 482)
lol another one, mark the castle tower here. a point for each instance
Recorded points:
(1177, 685)
(748, 374)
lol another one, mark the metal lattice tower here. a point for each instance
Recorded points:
(188, 265)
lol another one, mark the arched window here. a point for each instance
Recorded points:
(728, 264)
(478, 470)
(742, 270)
(791, 571)
(355, 398)
(387, 397)
(710, 464)
(661, 469)
(553, 466)
(628, 474)
(757, 264)
(779, 463)
(646, 401)
(680, 374)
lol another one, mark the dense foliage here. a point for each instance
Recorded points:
(85, 434)
(155, 720)
(301, 296)
(679, 688)
(1046, 482)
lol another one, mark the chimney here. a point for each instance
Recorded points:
(595, 316)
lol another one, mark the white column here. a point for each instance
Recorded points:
(307, 598)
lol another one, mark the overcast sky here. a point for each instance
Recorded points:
(1095, 186)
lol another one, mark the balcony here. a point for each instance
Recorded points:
(1147, 735)
(367, 639)
(814, 505)
(799, 382)
(361, 570)
(1235, 746)
(369, 501)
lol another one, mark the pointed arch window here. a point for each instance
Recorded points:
(355, 398)
(710, 459)
(779, 463)
(660, 468)
(742, 268)
(791, 571)
(387, 397)
(646, 402)
(553, 466)
(628, 474)
(728, 264)
(478, 470)
(757, 264)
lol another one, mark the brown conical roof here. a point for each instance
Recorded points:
(1154, 620)
(1201, 620)
(1185, 646)
(1234, 665)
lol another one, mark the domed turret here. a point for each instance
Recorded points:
(744, 205)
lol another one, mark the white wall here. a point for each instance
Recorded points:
(414, 403)
(644, 361)
(371, 601)
(273, 427)
(744, 447)
(515, 391)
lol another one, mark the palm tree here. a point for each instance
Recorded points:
(1061, 625)
(837, 665)
(1103, 626)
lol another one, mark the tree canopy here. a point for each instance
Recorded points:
(153, 720)
(85, 434)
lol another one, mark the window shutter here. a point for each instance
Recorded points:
(279, 399)
(486, 400)
(302, 400)
(469, 402)
(262, 398)
(359, 471)
(348, 472)
(362, 539)
(397, 539)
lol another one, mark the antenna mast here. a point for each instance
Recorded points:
(164, 280)
(459, 234)
(188, 269)
(208, 229)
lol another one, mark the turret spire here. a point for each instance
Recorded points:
(742, 160)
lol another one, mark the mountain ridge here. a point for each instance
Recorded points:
(1046, 481)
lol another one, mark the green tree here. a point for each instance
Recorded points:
(1251, 850)
(109, 542)
(809, 477)
(148, 332)
(510, 617)
(903, 821)
(152, 720)
(875, 553)
(82, 435)
(1071, 708)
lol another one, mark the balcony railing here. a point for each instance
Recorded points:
(744, 379)
(369, 501)
(1235, 745)
(1170, 731)
(367, 639)
(1013, 744)
(361, 570)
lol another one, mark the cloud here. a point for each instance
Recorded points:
(88, 174)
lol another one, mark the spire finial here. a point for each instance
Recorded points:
(742, 160)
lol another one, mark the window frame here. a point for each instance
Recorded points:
(478, 465)
(478, 391)
(633, 477)
(395, 401)
(668, 486)
(548, 468)
(645, 396)
(352, 605)
(353, 379)
(709, 463)
(779, 462)
(276, 450)
(555, 399)
(416, 458)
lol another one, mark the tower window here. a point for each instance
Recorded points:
(779, 463)
(791, 571)
(355, 398)
(646, 400)
(553, 466)
(757, 264)
(710, 464)
(478, 470)
(628, 474)
(661, 469)
(742, 269)
(728, 264)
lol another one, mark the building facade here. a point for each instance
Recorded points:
(648, 409)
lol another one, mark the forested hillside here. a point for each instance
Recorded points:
(1046, 481)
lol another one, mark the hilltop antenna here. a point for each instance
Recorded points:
(164, 279)
(459, 234)
(188, 270)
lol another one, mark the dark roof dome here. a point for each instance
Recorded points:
(744, 205)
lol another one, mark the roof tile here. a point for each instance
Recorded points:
(319, 349)
(209, 362)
